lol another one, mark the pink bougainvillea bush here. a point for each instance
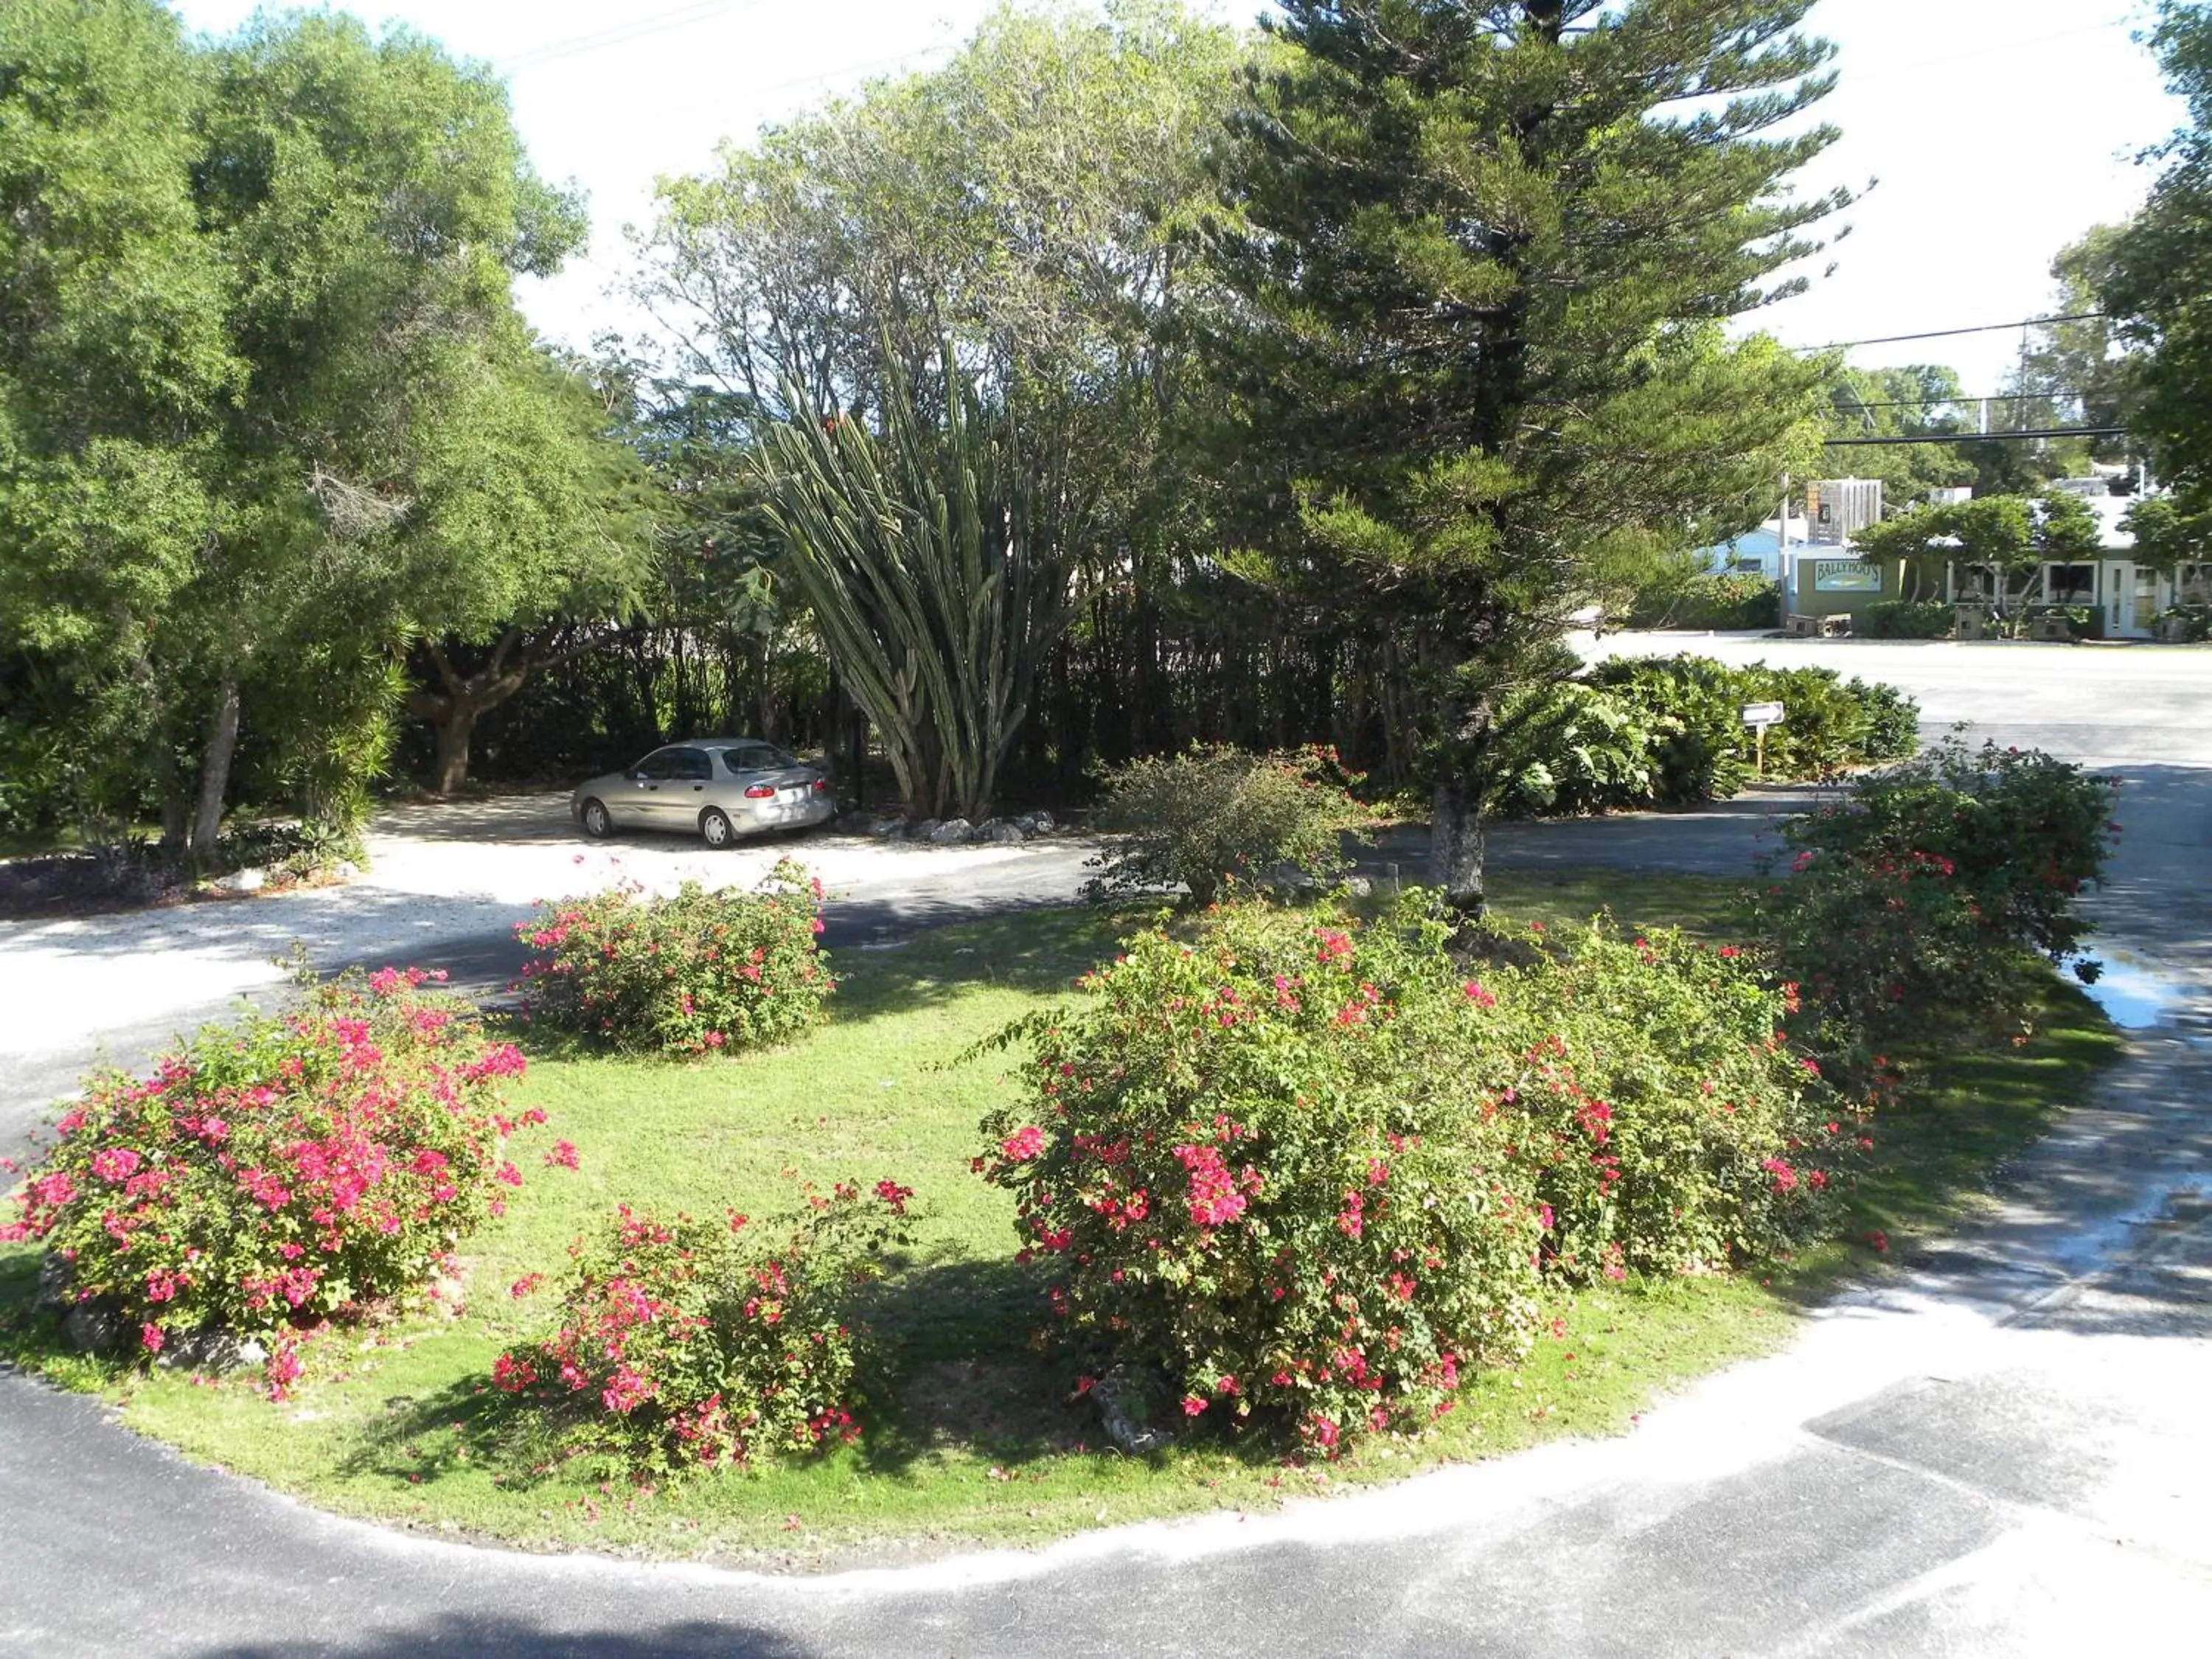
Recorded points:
(1917, 904)
(687, 1344)
(707, 970)
(1315, 1172)
(282, 1171)
(1665, 1123)
(1248, 1171)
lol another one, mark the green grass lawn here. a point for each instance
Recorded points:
(976, 1437)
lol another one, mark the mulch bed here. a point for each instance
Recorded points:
(80, 884)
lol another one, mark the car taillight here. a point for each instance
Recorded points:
(759, 792)
(821, 786)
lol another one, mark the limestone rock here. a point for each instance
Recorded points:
(1127, 1405)
(953, 832)
(999, 832)
(242, 881)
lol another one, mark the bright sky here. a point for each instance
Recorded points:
(1999, 130)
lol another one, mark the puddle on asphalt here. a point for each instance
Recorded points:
(2132, 996)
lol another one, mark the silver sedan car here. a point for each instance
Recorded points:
(718, 787)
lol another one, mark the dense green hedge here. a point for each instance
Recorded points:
(1908, 619)
(1668, 731)
(1731, 600)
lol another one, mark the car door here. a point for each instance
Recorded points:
(680, 795)
(638, 803)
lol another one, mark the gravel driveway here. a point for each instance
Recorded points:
(445, 885)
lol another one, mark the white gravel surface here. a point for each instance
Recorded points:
(436, 873)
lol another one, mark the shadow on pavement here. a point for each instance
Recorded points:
(514, 1636)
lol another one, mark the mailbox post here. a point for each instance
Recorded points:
(1758, 716)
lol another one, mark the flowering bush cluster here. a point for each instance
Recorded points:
(703, 971)
(1217, 813)
(1314, 1171)
(1669, 1127)
(283, 1171)
(685, 1344)
(1915, 901)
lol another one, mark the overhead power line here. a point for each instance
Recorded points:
(1845, 408)
(1979, 437)
(697, 11)
(1979, 328)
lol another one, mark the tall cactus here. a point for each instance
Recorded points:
(933, 583)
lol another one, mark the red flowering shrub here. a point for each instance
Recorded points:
(1251, 1171)
(1913, 904)
(1311, 1170)
(1666, 1125)
(700, 972)
(283, 1171)
(687, 1344)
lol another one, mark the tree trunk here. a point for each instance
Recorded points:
(451, 769)
(1456, 845)
(215, 772)
(1456, 811)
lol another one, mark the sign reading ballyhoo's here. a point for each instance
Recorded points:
(1845, 576)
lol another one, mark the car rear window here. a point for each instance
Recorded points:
(756, 757)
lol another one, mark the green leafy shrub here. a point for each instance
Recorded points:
(1893, 719)
(2192, 623)
(1908, 619)
(1569, 747)
(1702, 751)
(1718, 601)
(1911, 904)
(683, 1344)
(704, 971)
(281, 1171)
(288, 852)
(2086, 622)
(1218, 812)
(1309, 1169)
(1695, 707)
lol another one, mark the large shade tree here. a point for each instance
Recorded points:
(2154, 273)
(1487, 252)
(266, 409)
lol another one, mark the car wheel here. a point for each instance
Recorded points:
(599, 823)
(716, 826)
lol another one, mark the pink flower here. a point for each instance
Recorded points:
(525, 1286)
(509, 1174)
(894, 1194)
(563, 1155)
(512, 1376)
(1478, 996)
(115, 1163)
(52, 1191)
(1191, 1405)
(1023, 1145)
(151, 1336)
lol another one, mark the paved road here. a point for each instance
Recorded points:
(2000, 1451)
